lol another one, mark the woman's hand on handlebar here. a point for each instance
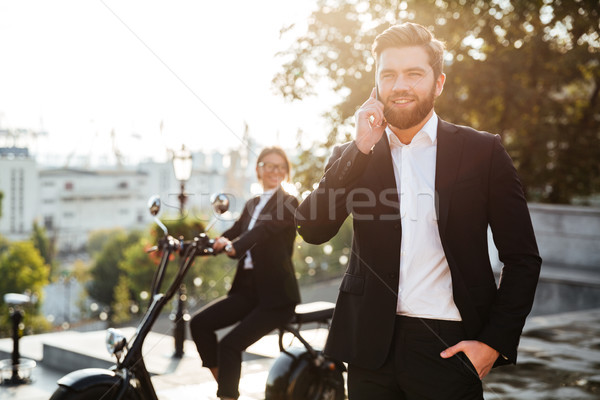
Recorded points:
(220, 243)
(224, 244)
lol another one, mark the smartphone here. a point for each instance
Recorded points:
(377, 95)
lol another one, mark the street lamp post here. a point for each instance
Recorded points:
(182, 166)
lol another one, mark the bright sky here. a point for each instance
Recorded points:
(81, 68)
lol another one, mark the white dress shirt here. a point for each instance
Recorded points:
(264, 198)
(425, 287)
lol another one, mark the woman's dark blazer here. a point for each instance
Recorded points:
(271, 243)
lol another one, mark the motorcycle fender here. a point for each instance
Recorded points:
(85, 378)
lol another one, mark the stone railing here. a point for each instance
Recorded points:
(567, 236)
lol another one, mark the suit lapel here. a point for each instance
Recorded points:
(272, 201)
(384, 168)
(251, 205)
(267, 208)
(449, 152)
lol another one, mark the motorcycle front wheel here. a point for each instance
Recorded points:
(104, 392)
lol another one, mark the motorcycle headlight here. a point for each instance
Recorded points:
(115, 341)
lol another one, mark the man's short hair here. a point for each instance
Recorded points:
(410, 34)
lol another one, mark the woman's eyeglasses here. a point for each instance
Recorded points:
(271, 167)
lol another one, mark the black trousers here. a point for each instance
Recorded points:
(254, 323)
(414, 369)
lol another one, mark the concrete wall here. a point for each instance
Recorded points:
(567, 235)
(569, 242)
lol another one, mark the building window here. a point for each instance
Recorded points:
(68, 185)
(123, 185)
(48, 222)
(13, 201)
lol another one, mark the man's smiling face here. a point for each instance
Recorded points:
(407, 87)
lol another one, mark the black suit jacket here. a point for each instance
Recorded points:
(476, 186)
(271, 243)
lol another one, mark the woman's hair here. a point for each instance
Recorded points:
(410, 34)
(279, 151)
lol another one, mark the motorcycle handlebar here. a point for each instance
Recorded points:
(202, 243)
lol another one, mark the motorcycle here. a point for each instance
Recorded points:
(297, 374)
(305, 373)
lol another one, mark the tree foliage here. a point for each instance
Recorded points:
(40, 240)
(120, 309)
(97, 239)
(209, 277)
(122, 271)
(527, 70)
(105, 272)
(23, 271)
(326, 261)
(4, 244)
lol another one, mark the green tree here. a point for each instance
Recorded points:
(4, 244)
(208, 278)
(122, 300)
(97, 239)
(320, 262)
(23, 271)
(40, 240)
(105, 272)
(527, 70)
(139, 266)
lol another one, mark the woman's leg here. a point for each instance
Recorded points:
(254, 326)
(218, 314)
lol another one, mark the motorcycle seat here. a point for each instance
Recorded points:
(318, 311)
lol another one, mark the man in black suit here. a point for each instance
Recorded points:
(419, 314)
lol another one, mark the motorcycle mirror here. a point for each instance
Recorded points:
(220, 203)
(154, 207)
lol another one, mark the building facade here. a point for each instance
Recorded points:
(76, 202)
(20, 189)
(73, 202)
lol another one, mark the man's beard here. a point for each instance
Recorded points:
(404, 119)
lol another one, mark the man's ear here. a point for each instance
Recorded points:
(439, 84)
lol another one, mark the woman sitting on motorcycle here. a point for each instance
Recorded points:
(264, 291)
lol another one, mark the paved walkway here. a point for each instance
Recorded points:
(559, 358)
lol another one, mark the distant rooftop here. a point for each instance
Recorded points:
(21, 152)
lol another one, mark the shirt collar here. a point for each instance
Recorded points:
(429, 129)
(267, 194)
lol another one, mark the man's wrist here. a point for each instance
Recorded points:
(363, 147)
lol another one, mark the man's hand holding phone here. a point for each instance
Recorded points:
(370, 123)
